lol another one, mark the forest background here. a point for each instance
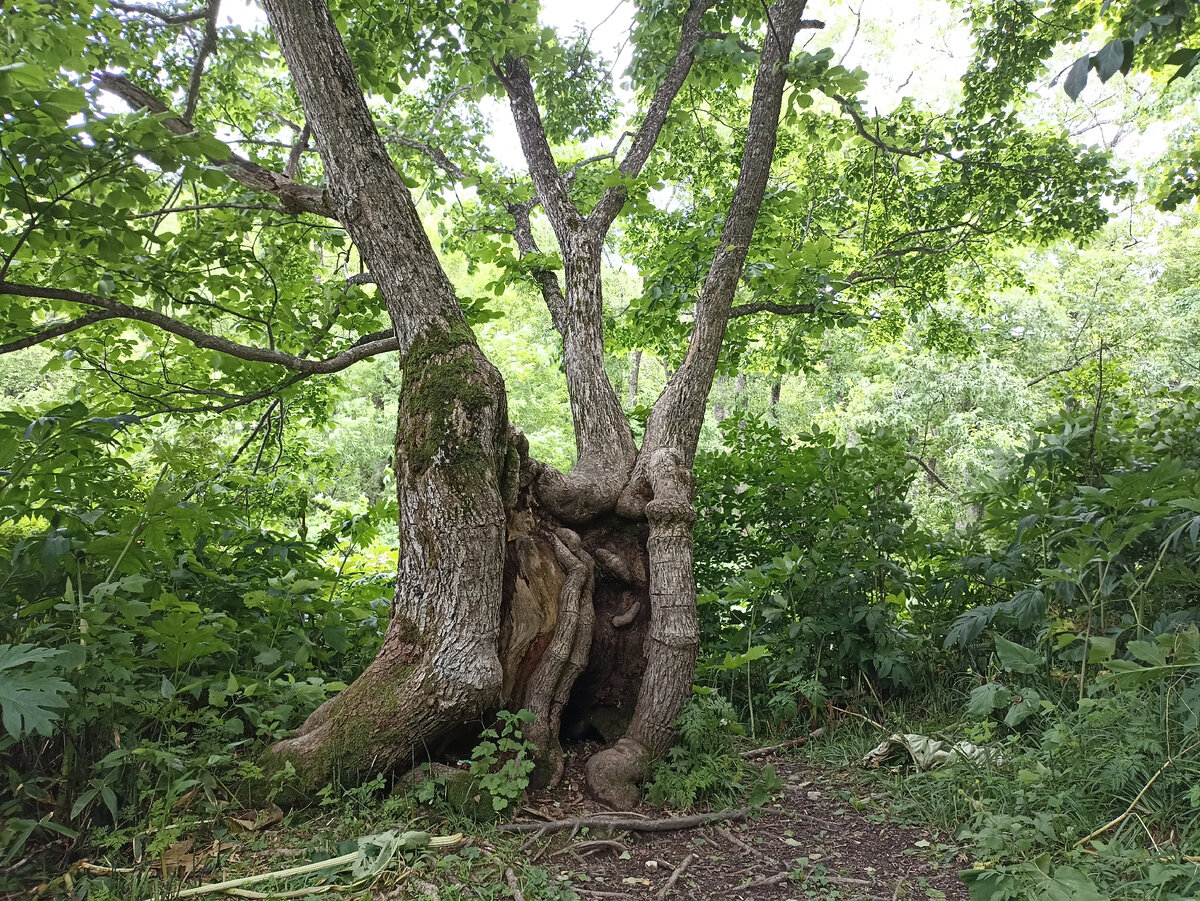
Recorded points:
(967, 505)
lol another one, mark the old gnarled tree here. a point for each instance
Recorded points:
(567, 593)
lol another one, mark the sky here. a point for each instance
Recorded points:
(914, 44)
(913, 48)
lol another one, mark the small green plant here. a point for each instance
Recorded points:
(496, 775)
(705, 767)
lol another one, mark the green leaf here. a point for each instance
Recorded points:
(1015, 658)
(29, 690)
(1110, 58)
(1077, 77)
(987, 698)
(1101, 649)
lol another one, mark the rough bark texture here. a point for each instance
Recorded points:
(439, 665)
(569, 594)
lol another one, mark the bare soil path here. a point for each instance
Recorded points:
(811, 843)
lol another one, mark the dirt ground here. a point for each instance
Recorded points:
(809, 844)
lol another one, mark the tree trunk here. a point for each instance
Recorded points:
(571, 595)
(635, 369)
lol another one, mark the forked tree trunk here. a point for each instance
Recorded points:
(570, 594)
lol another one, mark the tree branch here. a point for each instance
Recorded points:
(301, 145)
(295, 197)
(56, 331)
(613, 199)
(767, 306)
(673, 422)
(207, 45)
(437, 155)
(195, 207)
(550, 184)
(168, 18)
(930, 471)
(366, 346)
(552, 292)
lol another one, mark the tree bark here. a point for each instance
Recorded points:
(518, 585)
(439, 665)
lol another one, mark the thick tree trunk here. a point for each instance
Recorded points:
(571, 595)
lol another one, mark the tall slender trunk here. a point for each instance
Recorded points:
(635, 369)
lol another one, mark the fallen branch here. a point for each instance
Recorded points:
(679, 870)
(860, 716)
(764, 881)
(511, 878)
(627, 821)
(585, 849)
(1132, 804)
(771, 749)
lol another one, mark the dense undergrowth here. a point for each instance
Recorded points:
(159, 629)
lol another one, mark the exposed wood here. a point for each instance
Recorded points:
(366, 346)
(679, 871)
(782, 746)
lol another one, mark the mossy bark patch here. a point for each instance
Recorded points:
(447, 385)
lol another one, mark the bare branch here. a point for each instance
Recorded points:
(930, 472)
(207, 45)
(570, 174)
(367, 346)
(766, 306)
(191, 208)
(671, 423)
(550, 184)
(552, 292)
(1074, 364)
(296, 198)
(435, 154)
(168, 18)
(301, 145)
(613, 198)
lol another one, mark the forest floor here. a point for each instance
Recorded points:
(824, 836)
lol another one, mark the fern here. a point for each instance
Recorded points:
(704, 767)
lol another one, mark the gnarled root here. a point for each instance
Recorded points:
(565, 657)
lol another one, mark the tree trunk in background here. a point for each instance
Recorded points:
(774, 402)
(719, 411)
(635, 368)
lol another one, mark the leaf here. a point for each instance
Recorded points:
(1109, 59)
(1101, 649)
(1017, 658)
(29, 692)
(986, 698)
(1029, 703)
(1077, 77)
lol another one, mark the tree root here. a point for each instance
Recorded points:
(627, 821)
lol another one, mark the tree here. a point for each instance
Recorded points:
(563, 592)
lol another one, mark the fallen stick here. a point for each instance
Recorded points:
(733, 840)
(1132, 804)
(764, 881)
(670, 824)
(865, 719)
(511, 878)
(772, 749)
(591, 847)
(679, 870)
